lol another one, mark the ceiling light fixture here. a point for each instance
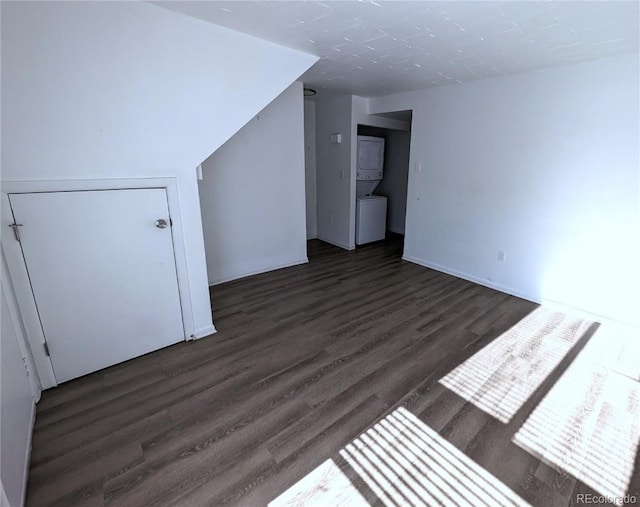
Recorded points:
(309, 92)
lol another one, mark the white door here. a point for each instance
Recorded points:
(103, 274)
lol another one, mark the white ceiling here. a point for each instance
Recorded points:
(373, 48)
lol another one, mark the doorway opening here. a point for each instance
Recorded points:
(392, 186)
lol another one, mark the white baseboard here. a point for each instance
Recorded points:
(586, 314)
(561, 307)
(204, 331)
(258, 271)
(336, 243)
(471, 278)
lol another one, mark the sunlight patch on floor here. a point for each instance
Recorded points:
(399, 461)
(589, 423)
(324, 486)
(503, 375)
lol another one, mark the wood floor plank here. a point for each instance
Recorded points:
(305, 359)
(72, 450)
(112, 393)
(561, 482)
(266, 486)
(186, 463)
(70, 482)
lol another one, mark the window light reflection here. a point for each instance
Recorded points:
(503, 375)
(589, 423)
(402, 462)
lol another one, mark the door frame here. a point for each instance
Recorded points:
(18, 269)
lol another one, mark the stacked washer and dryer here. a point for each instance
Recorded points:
(371, 210)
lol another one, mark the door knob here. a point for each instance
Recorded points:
(161, 223)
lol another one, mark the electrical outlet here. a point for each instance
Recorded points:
(331, 219)
(502, 255)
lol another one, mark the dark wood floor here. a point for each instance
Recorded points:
(305, 359)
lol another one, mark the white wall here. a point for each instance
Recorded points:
(361, 116)
(253, 194)
(130, 90)
(336, 164)
(129, 85)
(17, 402)
(543, 166)
(334, 179)
(310, 167)
(4, 501)
(396, 174)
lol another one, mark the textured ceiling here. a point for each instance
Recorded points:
(373, 48)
